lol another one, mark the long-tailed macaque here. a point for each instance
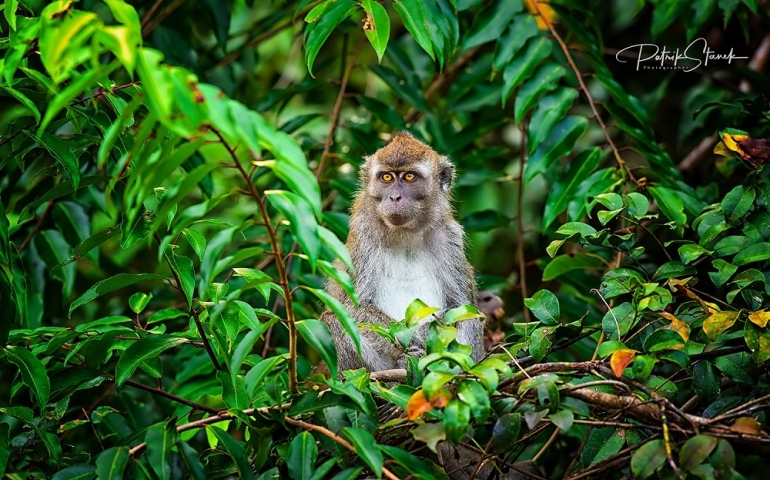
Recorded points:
(405, 244)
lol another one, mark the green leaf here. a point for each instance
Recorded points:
(139, 301)
(241, 351)
(236, 451)
(234, 392)
(415, 466)
(562, 419)
(433, 382)
(670, 203)
(738, 202)
(506, 432)
(704, 381)
(23, 98)
(648, 458)
(539, 343)
(156, 82)
(754, 253)
(523, 27)
(302, 222)
(490, 23)
(111, 463)
(545, 306)
(337, 247)
(115, 282)
(63, 155)
(303, 454)
(348, 324)
(609, 347)
(183, 267)
(673, 269)
(33, 373)
(197, 241)
(366, 448)
(619, 320)
(380, 26)
(76, 472)
(663, 339)
(9, 11)
(52, 248)
(463, 312)
(317, 334)
(691, 252)
(258, 372)
(160, 438)
(476, 397)
(415, 18)
(318, 31)
(341, 277)
(150, 347)
(524, 64)
(696, 450)
(122, 41)
(191, 459)
(545, 79)
(664, 14)
(315, 12)
(558, 144)
(578, 169)
(567, 263)
(457, 416)
(63, 38)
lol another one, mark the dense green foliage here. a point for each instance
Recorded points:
(174, 185)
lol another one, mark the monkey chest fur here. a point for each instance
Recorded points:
(406, 275)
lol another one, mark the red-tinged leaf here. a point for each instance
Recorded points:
(620, 359)
(417, 405)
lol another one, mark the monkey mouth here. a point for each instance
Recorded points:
(397, 220)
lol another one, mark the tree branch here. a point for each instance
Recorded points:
(584, 89)
(336, 110)
(279, 265)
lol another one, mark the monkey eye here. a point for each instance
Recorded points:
(410, 177)
(387, 177)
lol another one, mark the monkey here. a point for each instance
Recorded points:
(492, 307)
(405, 244)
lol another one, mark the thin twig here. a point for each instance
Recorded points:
(231, 57)
(520, 223)
(279, 265)
(37, 228)
(550, 441)
(171, 396)
(442, 78)
(584, 89)
(151, 25)
(149, 13)
(333, 121)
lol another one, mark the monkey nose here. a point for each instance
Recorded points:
(395, 197)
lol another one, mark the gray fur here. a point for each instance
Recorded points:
(431, 235)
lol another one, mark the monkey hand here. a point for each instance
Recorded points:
(416, 351)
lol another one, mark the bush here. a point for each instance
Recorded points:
(175, 186)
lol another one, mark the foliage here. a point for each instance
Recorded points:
(173, 196)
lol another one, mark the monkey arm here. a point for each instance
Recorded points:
(377, 353)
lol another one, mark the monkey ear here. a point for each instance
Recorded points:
(364, 169)
(446, 174)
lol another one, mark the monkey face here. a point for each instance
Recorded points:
(400, 195)
(407, 183)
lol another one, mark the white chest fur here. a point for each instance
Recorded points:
(405, 276)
